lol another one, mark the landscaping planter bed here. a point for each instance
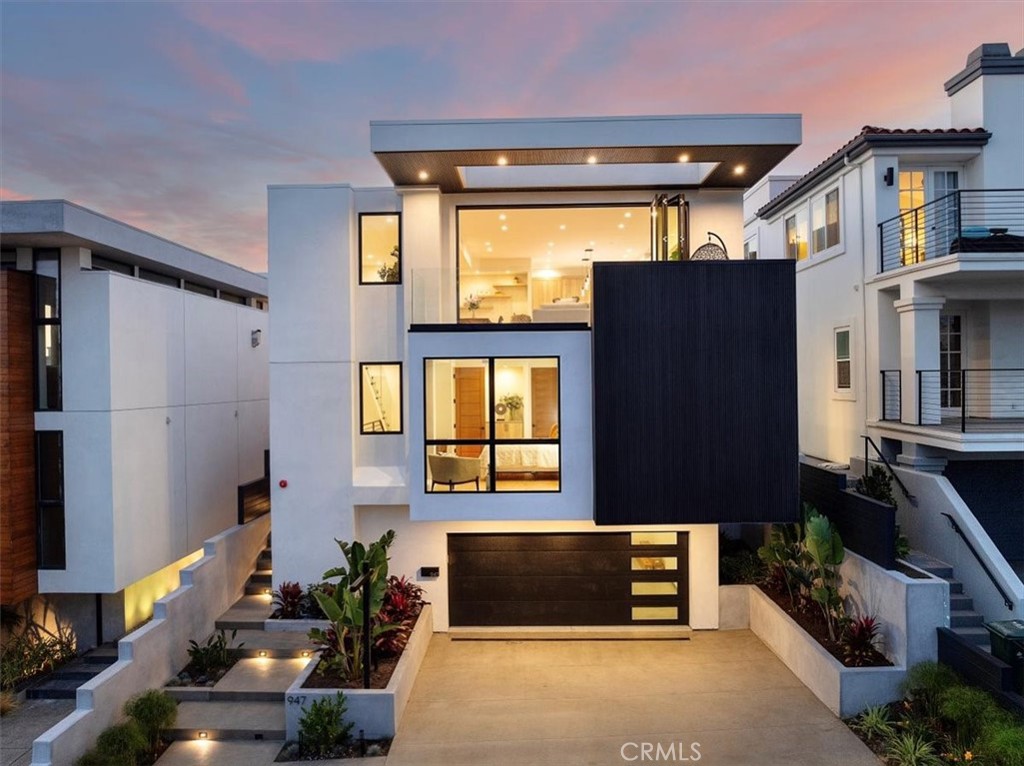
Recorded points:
(370, 748)
(375, 713)
(380, 676)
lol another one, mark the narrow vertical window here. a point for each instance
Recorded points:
(832, 218)
(842, 344)
(47, 322)
(796, 236)
(380, 254)
(50, 499)
(380, 386)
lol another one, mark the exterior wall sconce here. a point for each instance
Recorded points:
(889, 176)
(257, 338)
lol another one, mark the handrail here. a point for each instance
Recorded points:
(984, 566)
(867, 462)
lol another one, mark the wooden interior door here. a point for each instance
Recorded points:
(544, 395)
(470, 413)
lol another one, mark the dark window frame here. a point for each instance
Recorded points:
(102, 263)
(401, 247)
(45, 504)
(491, 442)
(40, 322)
(401, 399)
(158, 278)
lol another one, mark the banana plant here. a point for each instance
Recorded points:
(826, 551)
(343, 643)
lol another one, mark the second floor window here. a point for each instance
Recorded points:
(796, 236)
(380, 255)
(380, 398)
(47, 321)
(825, 221)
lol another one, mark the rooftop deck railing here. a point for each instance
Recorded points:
(965, 221)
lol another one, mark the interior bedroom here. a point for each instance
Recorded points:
(532, 264)
(500, 414)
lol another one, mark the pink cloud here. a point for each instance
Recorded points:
(204, 71)
(9, 195)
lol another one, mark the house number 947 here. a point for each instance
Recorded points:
(296, 699)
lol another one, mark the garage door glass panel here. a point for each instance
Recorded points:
(655, 588)
(655, 613)
(653, 538)
(654, 563)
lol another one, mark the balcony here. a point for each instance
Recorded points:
(966, 221)
(982, 401)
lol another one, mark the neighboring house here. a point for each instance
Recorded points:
(909, 251)
(501, 359)
(134, 402)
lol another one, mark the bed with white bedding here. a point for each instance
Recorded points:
(526, 458)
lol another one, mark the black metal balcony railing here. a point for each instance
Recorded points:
(975, 400)
(892, 391)
(969, 220)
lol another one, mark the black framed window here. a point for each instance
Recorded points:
(195, 287)
(492, 424)
(50, 500)
(380, 397)
(99, 263)
(232, 297)
(159, 278)
(380, 253)
(46, 311)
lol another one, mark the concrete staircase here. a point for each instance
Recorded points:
(63, 683)
(963, 619)
(247, 704)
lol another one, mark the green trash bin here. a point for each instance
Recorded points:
(1008, 645)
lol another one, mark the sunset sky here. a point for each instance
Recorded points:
(175, 117)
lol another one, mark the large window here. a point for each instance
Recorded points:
(492, 425)
(380, 255)
(47, 322)
(380, 397)
(50, 499)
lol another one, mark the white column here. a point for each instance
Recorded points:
(431, 276)
(919, 350)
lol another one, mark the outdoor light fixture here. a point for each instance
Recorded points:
(739, 170)
(889, 177)
(591, 160)
(305, 653)
(503, 160)
(424, 175)
(266, 591)
(684, 157)
(263, 652)
(203, 735)
(256, 338)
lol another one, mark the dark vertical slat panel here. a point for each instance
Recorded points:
(695, 409)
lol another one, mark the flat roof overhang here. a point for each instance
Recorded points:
(463, 155)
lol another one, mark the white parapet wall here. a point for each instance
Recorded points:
(150, 655)
(374, 712)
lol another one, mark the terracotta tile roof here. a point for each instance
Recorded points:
(869, 136)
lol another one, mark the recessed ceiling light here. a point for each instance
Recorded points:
(561, 226)
(591, 160)
(622, 226)
(551, 244)
(504, 227)
(487, 244)
(389, 219)
(739, 170)
(684, 157)
(424, 175)
(627, 215)
(592, 243)
(501, 216)
(549, 252)
(503, 160)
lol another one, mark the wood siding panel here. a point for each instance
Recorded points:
(695, 392)
(17, 441)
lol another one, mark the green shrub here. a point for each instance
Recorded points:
(213, 655)
(968, 709)
(925, 684)
(740, 568)
(322, 727)
(153, 711)
(1003, 743)
(122, 744)
(874, 722)
(909, 749)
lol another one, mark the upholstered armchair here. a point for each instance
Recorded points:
(452, 470)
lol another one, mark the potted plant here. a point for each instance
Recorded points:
(389, 273)
(514, 403)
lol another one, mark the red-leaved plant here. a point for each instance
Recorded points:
(858, 641)
(403, 601)
(287, 602)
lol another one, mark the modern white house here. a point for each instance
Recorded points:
(519, 358)
(909, 253)
(135, 402)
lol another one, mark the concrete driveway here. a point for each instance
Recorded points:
(722, 695)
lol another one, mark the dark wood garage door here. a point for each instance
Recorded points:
(638, 578)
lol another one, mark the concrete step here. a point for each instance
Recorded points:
(229, 753)
(248, 613)
(258, 589)
(54, 689)
(229, 720)
(930, 564)
(212, 694)
(961, 603)
(956, 587)
(265, 561)
(976, 635)
(965, 619)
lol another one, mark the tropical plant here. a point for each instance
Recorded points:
(825, 548)
(287, 602)
(152, 711)
(214, 654)
(783, 555)
(403, 601)
(1002, 743)
(925, 684)
(345, 608)
(34, 651)
(323, 728)
(309, 608)
(858, 640)
(876, 484)
(874, 722)
(909, 749)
